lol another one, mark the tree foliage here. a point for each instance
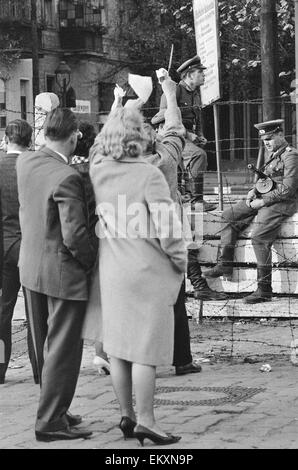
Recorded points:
(10, 52)
(158, 24)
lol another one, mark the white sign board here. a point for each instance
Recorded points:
(206, 29)
(82, 106)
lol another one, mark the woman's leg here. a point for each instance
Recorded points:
(143, 377)
(99, 350)
(122, 384)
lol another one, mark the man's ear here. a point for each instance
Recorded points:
(73, 139)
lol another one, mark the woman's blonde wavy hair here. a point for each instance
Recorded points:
(121, 136)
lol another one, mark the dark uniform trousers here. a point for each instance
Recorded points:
(182, 352)
(264, 232)
(10, 289)
(56, 326)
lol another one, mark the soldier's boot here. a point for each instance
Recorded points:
(201, 289)
(219, 270)
(264, 290)
(196, 185)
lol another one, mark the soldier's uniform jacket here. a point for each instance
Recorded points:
(189, 103)
(282, 167)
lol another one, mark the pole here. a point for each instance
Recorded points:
(64, 93)
(35, 59)
(171, 58)
(218, 156)
(269, 48)
(260, 159)
(296, 61)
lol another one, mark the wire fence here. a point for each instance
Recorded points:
(238, 141)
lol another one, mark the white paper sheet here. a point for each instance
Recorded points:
(142, 86)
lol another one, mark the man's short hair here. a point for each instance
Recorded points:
(59, 124)
(85, 143)
(19, 132)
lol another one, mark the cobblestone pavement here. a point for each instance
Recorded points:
(231, 404)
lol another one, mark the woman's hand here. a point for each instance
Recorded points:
(118, 94)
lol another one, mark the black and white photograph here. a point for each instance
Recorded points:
(149, 228)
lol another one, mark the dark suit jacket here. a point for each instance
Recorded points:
(9, 203)
(9, 200)
(56, 253)
(83, 169)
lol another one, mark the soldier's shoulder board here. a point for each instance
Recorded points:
(290, 149)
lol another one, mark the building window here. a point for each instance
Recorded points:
(24, 98)
(105, 96)
(79, 11)
(49, 12)
(2, 122)
(2, 105)
(50, 83)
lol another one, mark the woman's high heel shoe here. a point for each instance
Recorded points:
(141, 433)
(127, 426)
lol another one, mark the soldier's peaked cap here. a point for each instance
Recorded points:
(268, 128)
(193, 63)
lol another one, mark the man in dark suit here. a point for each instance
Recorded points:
(18, 135)
(56, 257)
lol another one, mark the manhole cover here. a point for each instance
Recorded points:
(227, 395)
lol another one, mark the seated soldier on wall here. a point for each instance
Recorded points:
(272, 208)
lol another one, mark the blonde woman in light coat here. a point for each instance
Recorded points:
(142, 260)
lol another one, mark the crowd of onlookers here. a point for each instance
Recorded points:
(91, 267)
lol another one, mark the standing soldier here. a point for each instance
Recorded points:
(189, 101)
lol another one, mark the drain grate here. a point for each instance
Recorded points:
(231, 395)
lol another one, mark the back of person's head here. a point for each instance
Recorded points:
(19, 132)
(87, 140)
(121, 136)
(60, 123)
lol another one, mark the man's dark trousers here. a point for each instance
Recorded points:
(63, 349)
(10, 289)
(182, 352)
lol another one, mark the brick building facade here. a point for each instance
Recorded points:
(83, 33)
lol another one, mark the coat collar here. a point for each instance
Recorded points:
(12, 154)
(186, 87)
(52, 154)
(124, 160)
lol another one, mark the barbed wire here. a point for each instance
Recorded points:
(285, 263)
(256, 101)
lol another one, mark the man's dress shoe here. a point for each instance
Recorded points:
(73, 420)
(62, 434)
(190, 368)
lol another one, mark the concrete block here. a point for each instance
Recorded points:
(284, 281)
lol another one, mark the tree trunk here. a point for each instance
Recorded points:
(35, 59)
(269, 58)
